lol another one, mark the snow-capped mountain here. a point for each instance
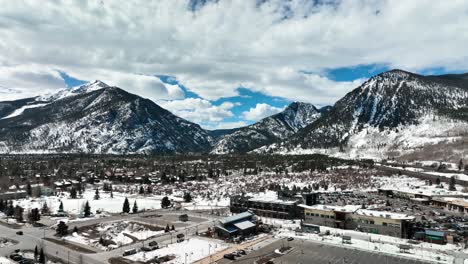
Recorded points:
(96, 118)
(393, 113)
(268, 130)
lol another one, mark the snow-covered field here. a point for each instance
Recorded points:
(115, 234)
(188, 251)
(105, 203)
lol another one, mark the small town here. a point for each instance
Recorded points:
(210, 209)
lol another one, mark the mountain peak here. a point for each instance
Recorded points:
(396, 73)
(66, 92)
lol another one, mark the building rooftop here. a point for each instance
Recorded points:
(336, 208)
(384, 214)
(236, 217)
(272, 200)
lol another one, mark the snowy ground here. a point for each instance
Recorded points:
(4, 242)
(4, 260)
(188, 251)
(116, 234)
(105, 203)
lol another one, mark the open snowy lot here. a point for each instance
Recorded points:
(108, 236)
(188, 251)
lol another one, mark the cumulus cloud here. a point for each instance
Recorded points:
(200, 110)
(261, 111)
(22, 81)
(218, 46)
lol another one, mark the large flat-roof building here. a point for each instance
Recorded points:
(351, 217)
(272, 206)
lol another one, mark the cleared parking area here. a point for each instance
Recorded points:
(310, 252)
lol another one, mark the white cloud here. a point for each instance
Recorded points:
(24, 81)
(227, 125)
(261, 111)
(230, 43)
(200, 110)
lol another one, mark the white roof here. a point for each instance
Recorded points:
(347, 208)
(384, 214)
(271, 200)
(244, 225)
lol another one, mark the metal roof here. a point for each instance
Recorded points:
(244, 225)
(434, 233)
(236, 217)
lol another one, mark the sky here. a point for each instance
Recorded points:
(225, 63)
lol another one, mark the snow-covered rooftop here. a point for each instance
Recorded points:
(384, 214)
(347, 208)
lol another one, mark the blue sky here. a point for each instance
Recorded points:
(226, 63)
(248, 99)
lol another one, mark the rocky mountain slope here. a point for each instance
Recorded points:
(393, 113)
(268, 130)
(96, 118)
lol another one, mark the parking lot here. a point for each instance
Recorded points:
(311, 252)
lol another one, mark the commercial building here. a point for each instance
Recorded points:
(272, 206)
(239, 225)
(351, 217)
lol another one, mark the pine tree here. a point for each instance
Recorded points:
(29, 189)
(2, 206)
(96, 195)
(126, 206)
(135, 208)
(42, 257)
(166, 230)
(87, 210)
(62, 229)
(19, 213)
(438, 181)
(187, 197)
(142, 190)
(452, 184)
(45, 209)
(173, 228)
(165, 202)
(460, 165)
(73, 193)
(111, 195)
(75, 229)
(36, 253)
(60, 207)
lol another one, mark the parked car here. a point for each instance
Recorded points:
(130, 252)
(145, 249)
(242, 252)
(229, 256)
(19, 233)
(16, 257)
(290, 238)
(26, 261)
(180, 238)
(153, 245)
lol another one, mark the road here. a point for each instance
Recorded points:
(33, 236)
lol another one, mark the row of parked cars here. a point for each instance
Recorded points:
(235, 254)
(18, 257)
(153, 245)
